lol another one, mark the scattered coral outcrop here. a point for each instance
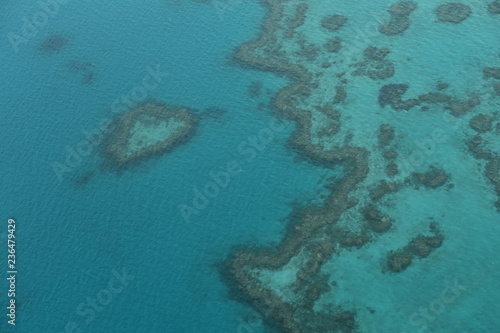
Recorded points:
(418, 248)
(147, 130)
(400, 18)
(453, 12)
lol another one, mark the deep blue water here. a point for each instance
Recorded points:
(72, 240)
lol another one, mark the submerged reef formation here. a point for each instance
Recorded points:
(377, 222)
(481, 123)
(453, 12)
(297, 21)
(494, 7)
(385, 135)
(53, 43)
(148, 129)
(340, 95)
(334, 22)
(375, 65)
(333, 45)
(400, 18)
(432, 178)
(391, 169)
(419, 247)
(293, 278)
(391, 94)
(478, 149)
(493, 72)
(492, 172)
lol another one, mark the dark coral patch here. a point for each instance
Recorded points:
(391, 94)
(147, 130)
(432, 178)
(491, 72)
(453, 12)
(481, 123)
(400, 18)
(53, 44)
(494, 7)
(334, 22)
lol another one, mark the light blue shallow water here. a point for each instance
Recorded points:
(72, 240)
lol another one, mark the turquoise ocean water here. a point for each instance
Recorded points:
(82, 229)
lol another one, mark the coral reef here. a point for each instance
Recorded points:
(496, 88)
(396, 25)
(481, 123)
(419, 247)
(390, 154)
(334, 45)
(391, 170)
(398, 261)
(459, 108)
(391, 94)
(402, 8)
(297, 21)
(385, 135)
(432, 178)
(494, 7)
(308, 51)
(382, 189)
(492, 169)
(353, 240)
(146, 130)
(375, 65)
(475, 146)
(377, 222)
(340, 95)
(329, 130)
(453, 12)
(334, 22)
(434, 97)
(346, 219)
(493, 72)
(492, 172)
(306, 224)
(376, 54)
(400, 18)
